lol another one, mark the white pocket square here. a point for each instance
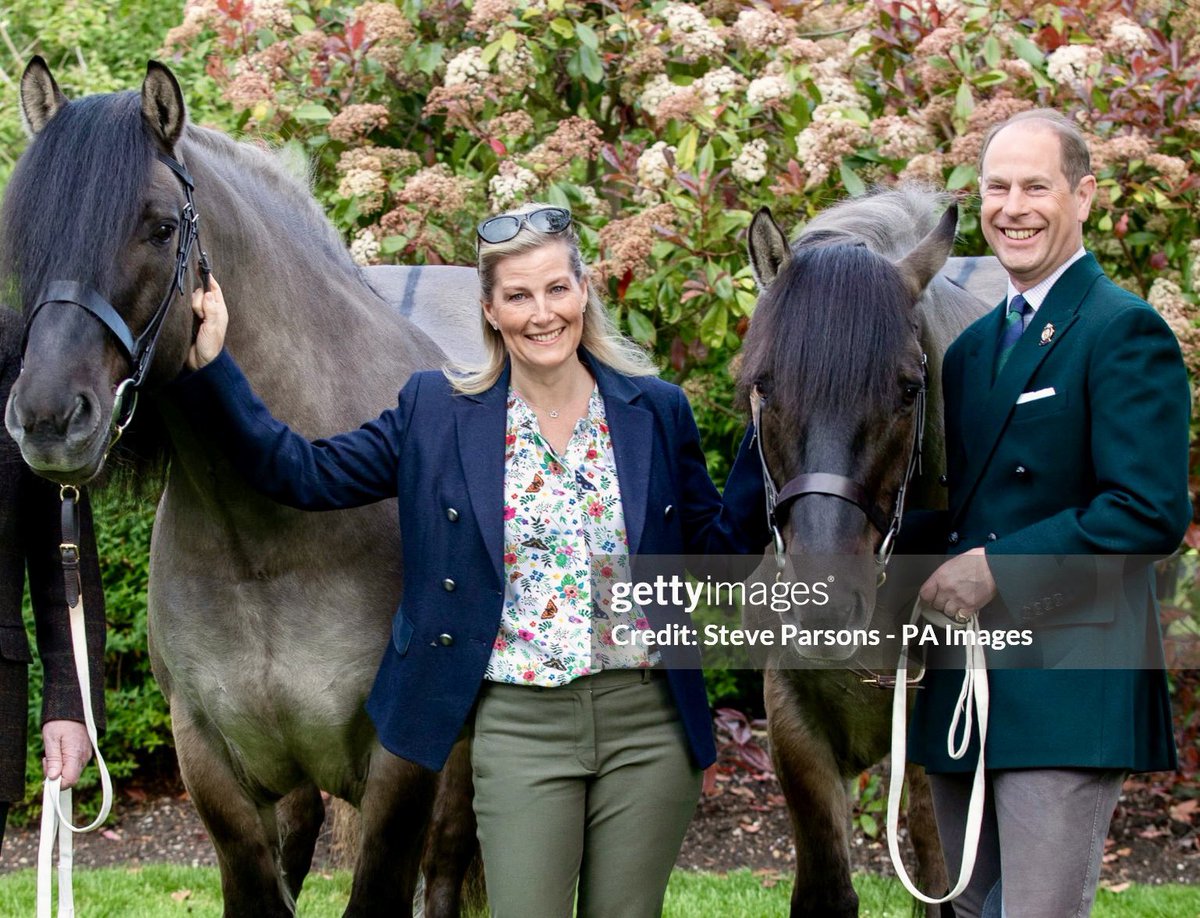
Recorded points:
(1034, 396)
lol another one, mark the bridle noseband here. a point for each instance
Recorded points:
(779, 501)
(139, 350)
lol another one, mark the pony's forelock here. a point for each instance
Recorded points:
(57, 221)
(833, 327)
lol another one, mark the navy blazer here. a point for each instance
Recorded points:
(441, 454)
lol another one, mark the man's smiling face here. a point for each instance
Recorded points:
(1032, 217)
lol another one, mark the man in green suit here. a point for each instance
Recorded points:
(1067, 444)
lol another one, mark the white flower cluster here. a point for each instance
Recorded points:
(859, 41)
(366, 187)
(751, 164)
(759, 29)
(1167, 297)
(901, 138)
(591, 200)
(271, 14)
(691, 34)
(511, 185)
(653, 168)
(717, 83)
(466, 67)
(839, 92)
(827, 111)
(656, 90)
(808, 154)
(516, 68)
(1127, 36)
(1069, 63)
(365, 248)
(766, 88)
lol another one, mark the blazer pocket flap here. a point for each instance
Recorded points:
(402, 630)
(1039, 403)
(14, 645)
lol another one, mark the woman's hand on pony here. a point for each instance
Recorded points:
(209, 307)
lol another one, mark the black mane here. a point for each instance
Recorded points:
(831, 328)
(70, 225)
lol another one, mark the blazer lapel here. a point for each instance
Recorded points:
(479, 422)
(996, 402)
(631, 428)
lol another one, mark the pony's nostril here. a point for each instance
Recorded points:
(81, 420)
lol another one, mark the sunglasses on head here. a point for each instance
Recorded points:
(506, 226)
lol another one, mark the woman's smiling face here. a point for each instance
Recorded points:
(537, 305)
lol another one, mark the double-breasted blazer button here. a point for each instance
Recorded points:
(448, 585)
(991, 537)
(446, 640)
(943, 480)
(1020, 470)
(452, 514)
(670, 510)
(952, 538)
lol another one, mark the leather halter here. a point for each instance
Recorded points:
(139, 350)
(780, 500)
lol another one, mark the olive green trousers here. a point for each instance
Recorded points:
(590, 784)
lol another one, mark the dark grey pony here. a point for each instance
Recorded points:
(266, 624)
(835, 350)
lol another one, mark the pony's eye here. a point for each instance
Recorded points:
(162, 233)
(910, 391)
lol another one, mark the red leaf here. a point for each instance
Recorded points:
(678, 354)
(623, 283)
(355, 34)
(1122, 227)
(1158, 261)
(1192, 536)
(497, 146)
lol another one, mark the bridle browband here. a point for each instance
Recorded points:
(779, 501)
(139, 350)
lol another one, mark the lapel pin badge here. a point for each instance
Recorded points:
(1047, 334)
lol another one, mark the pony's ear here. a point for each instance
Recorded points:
(40, 96)
(920, 265)
(162, 103)
(769, 249)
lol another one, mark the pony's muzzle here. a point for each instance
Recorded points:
(57, 436)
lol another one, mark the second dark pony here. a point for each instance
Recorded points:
(844, 351)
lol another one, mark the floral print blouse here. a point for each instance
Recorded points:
(564, 547)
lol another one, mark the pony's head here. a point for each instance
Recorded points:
(89, 243)
(834, 369)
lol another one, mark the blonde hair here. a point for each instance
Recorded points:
(600, 335)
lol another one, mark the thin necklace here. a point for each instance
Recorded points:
(552, 412)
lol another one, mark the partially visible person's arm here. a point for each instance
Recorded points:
(66, 745)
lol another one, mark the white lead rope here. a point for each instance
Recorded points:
(974, 694)
(56, 802)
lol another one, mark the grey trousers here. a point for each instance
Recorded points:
(1043, 832)
(590, 784)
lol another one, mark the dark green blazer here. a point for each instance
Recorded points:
(1072, 494)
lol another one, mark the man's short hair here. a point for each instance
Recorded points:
(1076, 160)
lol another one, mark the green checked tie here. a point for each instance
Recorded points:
(1014, 324)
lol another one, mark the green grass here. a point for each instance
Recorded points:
(162, 891)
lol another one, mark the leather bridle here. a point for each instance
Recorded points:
(780, 500)
(139, 350)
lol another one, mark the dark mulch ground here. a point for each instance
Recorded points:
(1155, 836)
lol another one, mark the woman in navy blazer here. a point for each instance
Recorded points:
(446, 452)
